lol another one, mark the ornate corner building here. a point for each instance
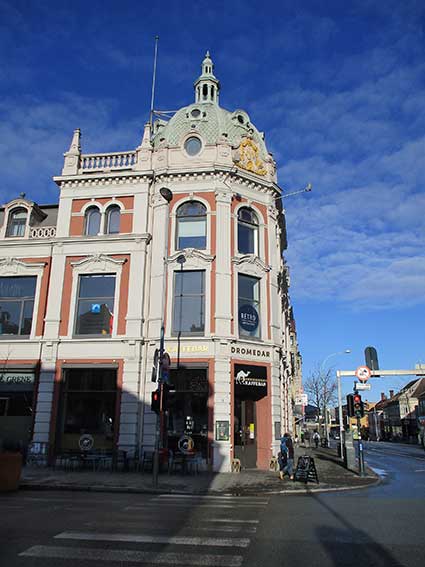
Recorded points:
(86, 285)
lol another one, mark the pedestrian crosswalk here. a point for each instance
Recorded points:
(212, 531)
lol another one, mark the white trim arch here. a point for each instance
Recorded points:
(261, 229)
(8, 209)
(173, 216)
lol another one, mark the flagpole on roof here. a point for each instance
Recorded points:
(153, 81)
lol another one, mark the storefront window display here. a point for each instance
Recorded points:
(187, 409)
(88, 402)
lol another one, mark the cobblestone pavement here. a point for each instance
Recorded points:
(331, 472)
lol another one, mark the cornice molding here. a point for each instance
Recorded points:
(251, 260)
(13, 266)
(96, 260)
(190, 254)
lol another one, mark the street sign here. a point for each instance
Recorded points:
(361, 386)
(363, 373)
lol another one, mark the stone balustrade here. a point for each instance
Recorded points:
(99, 162)
(42, 232)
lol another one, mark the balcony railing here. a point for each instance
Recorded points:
(42, 232)
(99, 162)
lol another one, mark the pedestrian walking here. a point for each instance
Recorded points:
(286, 462)
(316, 439)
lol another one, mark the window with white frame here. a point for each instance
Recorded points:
(248, 306)
(189, 303)
(95, 304)
(17, 305)
(17, 223)
(112, 220)
(92, 221)
(191, 231)
(247, 231)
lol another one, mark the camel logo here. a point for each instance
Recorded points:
(250, 376)
(241, 376)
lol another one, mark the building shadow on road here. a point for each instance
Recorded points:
(350, 546)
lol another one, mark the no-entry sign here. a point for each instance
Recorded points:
(363, 373)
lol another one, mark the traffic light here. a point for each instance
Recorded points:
(371, 358)
(358, 405)
(168, 396)
(156, 400)
(350, 405)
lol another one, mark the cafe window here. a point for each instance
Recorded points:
(248, 306)
(92, 221)
(188, 409)
(189, 303)
(191, 226)
(89, 403)
(17, 305)
(17, 223)
(247, 231)
(16, 404)
(95, 304)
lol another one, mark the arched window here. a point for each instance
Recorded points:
(92, 226)
(247, 231)
(17, 222)
(191, 226)
(112, 225)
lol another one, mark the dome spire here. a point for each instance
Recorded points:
(207, 86)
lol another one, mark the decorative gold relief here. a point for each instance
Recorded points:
(249, 157)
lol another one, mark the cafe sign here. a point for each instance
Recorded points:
(251, 377)
(16, 380)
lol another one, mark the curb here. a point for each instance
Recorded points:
(226, 492)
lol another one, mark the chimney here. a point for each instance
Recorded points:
(383, 397)
(391, 393)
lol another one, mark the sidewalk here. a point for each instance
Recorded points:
(332, 476)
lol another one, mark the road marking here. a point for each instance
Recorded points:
(127, 555)
(379, 472)
(196, 507)
(230, 521)
(201, 497)
(143, 538)
(187, 527)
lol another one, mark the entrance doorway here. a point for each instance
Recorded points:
(245, 433)
(250, 386)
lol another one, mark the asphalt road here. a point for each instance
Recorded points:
(380, 526)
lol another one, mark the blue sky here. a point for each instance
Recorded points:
(339, 90)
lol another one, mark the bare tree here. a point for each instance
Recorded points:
(321, 388)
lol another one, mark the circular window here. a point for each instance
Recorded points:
(193, 146)
(196, 113)
(240, 119)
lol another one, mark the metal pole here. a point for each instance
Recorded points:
(341, 426)
(361, 454)
(153, 81)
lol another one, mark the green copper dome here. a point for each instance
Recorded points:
(207, 119)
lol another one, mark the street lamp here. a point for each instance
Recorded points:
(322, 366)
(167, 195)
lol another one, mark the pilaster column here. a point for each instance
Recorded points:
(159, 252)
(223, 306)
(274, 259)
(54, 299)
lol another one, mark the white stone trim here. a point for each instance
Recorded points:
(97, 264)
(14, 267)
(196, 260)
(251, 269)
(261, 228)
(173, 216)
(9, 208)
